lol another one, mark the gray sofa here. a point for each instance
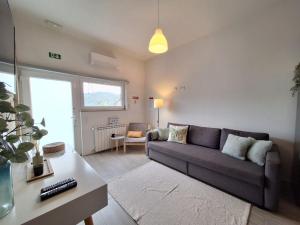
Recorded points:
(201, 158)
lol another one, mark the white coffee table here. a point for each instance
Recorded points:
(117, 139)
(68, 208)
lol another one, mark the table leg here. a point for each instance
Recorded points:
(89, 221)
(117, 145)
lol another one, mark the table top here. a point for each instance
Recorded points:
(88, 197)
(117, 137)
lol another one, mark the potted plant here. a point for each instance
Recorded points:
(37, 161)
(296, 79)
(17, 130)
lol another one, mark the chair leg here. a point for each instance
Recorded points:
(89, 221)
(117, 145)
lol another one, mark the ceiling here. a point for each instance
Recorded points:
(129, 24)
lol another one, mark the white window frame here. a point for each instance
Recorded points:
(104, 82)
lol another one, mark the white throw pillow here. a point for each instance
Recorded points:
(258, 151)
(178, 134)
(237, 146)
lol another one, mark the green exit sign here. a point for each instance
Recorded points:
(54, 55)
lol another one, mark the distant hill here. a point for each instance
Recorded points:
(102, 99)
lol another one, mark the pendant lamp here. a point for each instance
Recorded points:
(158, 43)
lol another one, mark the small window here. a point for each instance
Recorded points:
(103, 95)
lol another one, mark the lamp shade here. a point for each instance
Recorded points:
(158, 43)
(158, 103)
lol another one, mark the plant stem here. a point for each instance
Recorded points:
(13, 130)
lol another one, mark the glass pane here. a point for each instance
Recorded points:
(52, 100)
(97, 95)
(9, 80)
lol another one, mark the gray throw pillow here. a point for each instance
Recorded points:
(237, 146)
(163, 134)
(258, 151)
(154, 135)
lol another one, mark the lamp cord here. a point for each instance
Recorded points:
(157, 13)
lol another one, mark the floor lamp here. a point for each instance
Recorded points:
(158, 103)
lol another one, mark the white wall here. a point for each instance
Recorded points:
(237, 78)
(33, 42)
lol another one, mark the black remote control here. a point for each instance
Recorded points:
(58, 190)
(61, 183)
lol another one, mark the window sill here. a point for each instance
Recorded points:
(102, 109)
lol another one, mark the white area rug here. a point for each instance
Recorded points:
(154, 194)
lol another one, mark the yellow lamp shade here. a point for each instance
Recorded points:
(158, 103)
(158, 43)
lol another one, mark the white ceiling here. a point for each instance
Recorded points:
(129, 24)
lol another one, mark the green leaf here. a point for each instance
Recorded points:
(24, 116)
(22, 108)
(37, 135)
(35, 128)
(43, 123)
(12, 138)
(29, 123)
(5, 130)
(19, 157)
(3, 125)
(44, 132)
(6, 154)
(2, 85)
(25, 147)
(5, 107)
(4, 94)
(3, 160)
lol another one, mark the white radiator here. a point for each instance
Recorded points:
(103, 134)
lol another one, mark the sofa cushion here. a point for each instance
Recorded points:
(178, 134)
(204, 136)
(258, 151)
(225, 132)
(134, 134)
(237, 146)
(153, 135)
(135, 140)
(239, 188)
(163, 134)
(214, 160)
(179, 124)
(170, 161)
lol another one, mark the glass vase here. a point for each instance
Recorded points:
(6, 188)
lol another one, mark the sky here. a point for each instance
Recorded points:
(9, 79)
(95, 87)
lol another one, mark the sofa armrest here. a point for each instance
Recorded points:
(150, 137)
(272, 179)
